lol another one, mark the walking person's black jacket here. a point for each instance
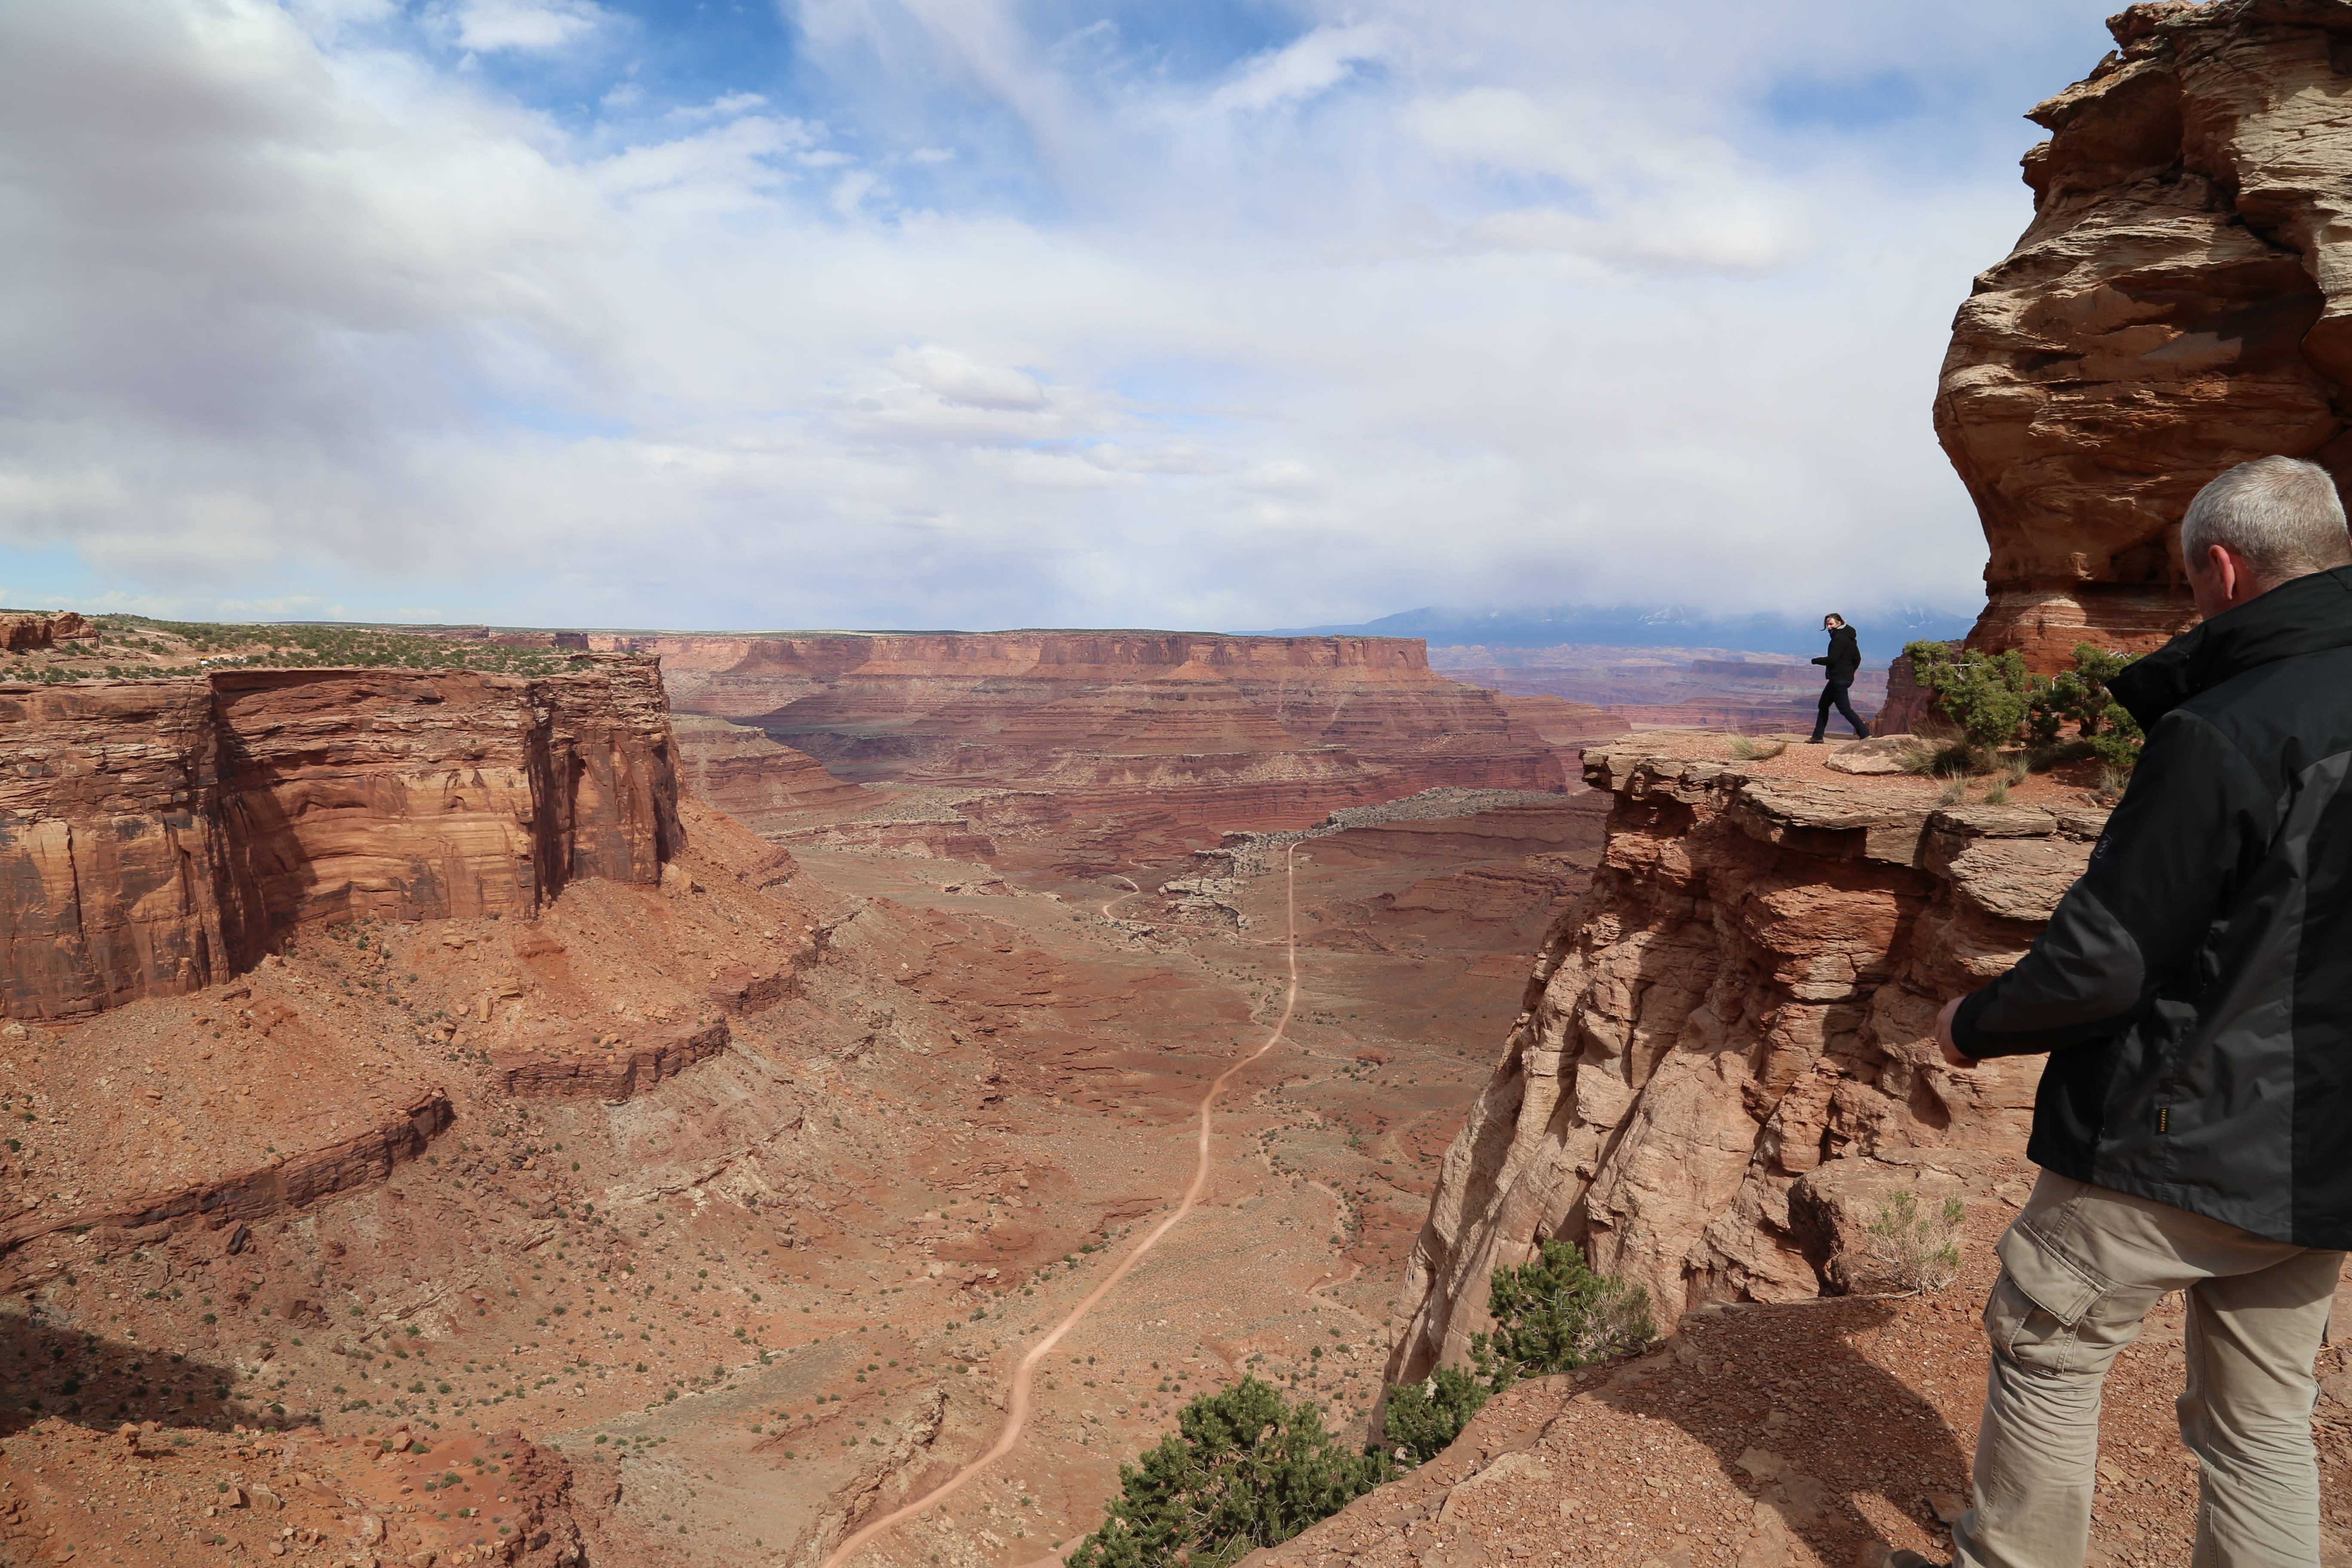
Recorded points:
(2194, 988)
(1844, 656)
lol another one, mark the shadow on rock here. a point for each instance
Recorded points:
(1810, 1423)
(50, 1368)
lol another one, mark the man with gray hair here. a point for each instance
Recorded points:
(2193, 993)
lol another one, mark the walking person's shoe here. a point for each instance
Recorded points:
(1814, 742)
(1862, 732)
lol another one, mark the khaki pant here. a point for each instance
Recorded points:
(2080, 1268)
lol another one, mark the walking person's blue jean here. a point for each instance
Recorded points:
(1835, 693)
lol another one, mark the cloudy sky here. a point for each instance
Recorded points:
(984, 313)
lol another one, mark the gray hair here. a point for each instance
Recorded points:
(2281, 513)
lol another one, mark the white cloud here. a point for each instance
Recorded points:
(1651, 195)
(725, 105)
(492, 25)
(1478, 303)
(726, 165)
(1313, 64)
(958, 379)
(286, 607)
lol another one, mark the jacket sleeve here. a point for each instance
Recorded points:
(1823, 660)
(2195, 822)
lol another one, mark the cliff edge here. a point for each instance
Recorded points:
(1727, 1044)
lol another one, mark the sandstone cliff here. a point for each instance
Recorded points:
(1734, 1029)
(765, 786)
(159, 836)
(21, 631)
(2181, 302)
(1229, 732)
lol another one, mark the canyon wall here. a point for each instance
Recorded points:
(1229, 732)
(159, 836)
(2180, 304)
(1732, 1033)
(767, 787)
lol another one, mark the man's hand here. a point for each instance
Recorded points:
(1952, 1057)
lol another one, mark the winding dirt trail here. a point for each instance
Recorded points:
(1133, 891)
(1017, 1401)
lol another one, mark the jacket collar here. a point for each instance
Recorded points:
(2306, 614)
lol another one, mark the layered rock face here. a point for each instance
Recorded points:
(767, 787)
(2181, 302)
(21, 631)
(159, 836)
(1733, 1027)
(1233, 732)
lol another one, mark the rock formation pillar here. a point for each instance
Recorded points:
(2180, 304)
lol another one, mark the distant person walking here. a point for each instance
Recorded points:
(1843, 659)
(2193, 996)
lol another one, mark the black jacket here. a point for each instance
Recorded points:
(1844, 656)
(2194, 988)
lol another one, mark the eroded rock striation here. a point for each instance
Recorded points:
(1230, 732)
(1732, 1035)
(765, 786)
(159, 836)
(2181, 302)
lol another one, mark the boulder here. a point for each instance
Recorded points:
(1879, 754)
(1833, 1206)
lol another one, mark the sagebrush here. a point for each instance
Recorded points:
(1918, 1248)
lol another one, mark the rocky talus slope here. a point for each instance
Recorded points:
(1727, 1054)
(159, 836)
(2181, 302)
(1800, 1434)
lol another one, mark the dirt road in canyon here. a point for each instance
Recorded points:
(1018, 1394)
(1134, 890)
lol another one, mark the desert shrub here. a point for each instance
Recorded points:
(1946, 758)
(1422, 1418)
(1989, 696)
(1552, 1313)
(2118, 743)
(2104, 727)
(1920, 1248)
(1748, 749)
(1243, 1469)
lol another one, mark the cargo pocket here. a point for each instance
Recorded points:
(2040, 1297)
